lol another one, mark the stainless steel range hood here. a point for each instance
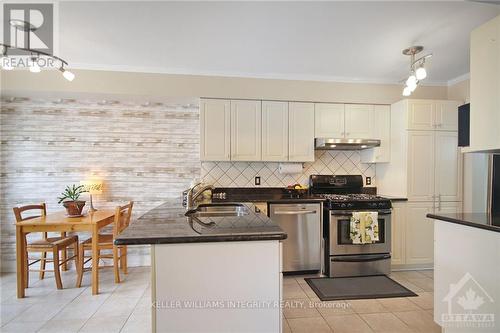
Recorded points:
(345, 144)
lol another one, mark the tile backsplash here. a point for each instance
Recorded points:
(242, 174)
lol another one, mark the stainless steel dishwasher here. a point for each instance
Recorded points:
(302, 223)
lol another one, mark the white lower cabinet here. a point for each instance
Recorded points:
(419, 235)
(413, 233)
(398, 225)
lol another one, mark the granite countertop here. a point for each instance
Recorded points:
(167, 224)
(476, 220)
(393, 198)
(270, 198)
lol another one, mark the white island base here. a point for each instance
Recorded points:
(217, 287)
(466, 278)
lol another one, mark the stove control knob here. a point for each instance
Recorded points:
(342, 205)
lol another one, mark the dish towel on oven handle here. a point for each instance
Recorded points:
(364, 227)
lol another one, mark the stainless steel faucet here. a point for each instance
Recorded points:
(191, 198)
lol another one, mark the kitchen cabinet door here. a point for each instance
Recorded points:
(329, 120)
(448, 167)
(246, 126)
(301, 132)
(398, 227)
(419, 235)
(215, 130)
(448, 208)
(446, 115)
(358, 121)
(421, 165)
(421, 115)
(382, 131)
(274, 131)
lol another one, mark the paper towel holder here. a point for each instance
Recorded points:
(290, 168)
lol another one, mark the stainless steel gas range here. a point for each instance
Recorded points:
(343, 196)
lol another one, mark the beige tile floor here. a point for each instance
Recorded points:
(125, 307)
(304, 312)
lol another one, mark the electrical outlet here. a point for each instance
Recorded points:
(368, 180)
(257, 180)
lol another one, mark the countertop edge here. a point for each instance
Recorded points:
(463, 222)
(207, 239)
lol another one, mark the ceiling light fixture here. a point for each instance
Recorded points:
(417, 69)
(67, 74)
(5, 63)
(35, 56)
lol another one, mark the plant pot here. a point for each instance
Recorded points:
(74, 208)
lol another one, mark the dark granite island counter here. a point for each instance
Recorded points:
(466, 261)
(212, 273)
(475, 220)
(167, 224)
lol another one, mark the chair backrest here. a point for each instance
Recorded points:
(18, 211)
(122, 218)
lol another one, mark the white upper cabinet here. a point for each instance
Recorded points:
(421, 165)
(381, 131)
(431, 115)
(329, 120)
(215, 130)
(301, 132)
(246, 139)
(358, 121)
(421, 114)
(274, 131)
(448, 167)
(446, 115)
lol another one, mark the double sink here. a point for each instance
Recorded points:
(214, 210)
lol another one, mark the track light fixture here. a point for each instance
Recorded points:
(417, 69)
(35, 59)
(67, 74)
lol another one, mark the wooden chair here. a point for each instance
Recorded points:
(47, 244)
(106, 242)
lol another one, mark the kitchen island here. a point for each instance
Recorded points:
(466, 272)
(216, 270)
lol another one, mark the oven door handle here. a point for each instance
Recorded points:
(349, 213)
(294, 212)
(362, 258)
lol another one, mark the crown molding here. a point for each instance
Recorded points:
(459, 79)
(269, 76)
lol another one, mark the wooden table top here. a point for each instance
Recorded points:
(60, 218)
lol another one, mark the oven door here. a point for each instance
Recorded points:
(340, 238)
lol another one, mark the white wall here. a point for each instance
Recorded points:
(475, 164)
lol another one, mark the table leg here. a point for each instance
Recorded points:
(21, 258)
(95, 260)
(64, 255)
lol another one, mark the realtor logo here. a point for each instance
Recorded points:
(469, 305)
(28, 25)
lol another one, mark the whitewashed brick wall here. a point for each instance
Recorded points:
(142, 153)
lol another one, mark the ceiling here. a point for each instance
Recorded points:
(325, 41)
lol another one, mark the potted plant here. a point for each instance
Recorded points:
(69, 198)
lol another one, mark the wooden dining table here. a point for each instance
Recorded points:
(59, 222)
